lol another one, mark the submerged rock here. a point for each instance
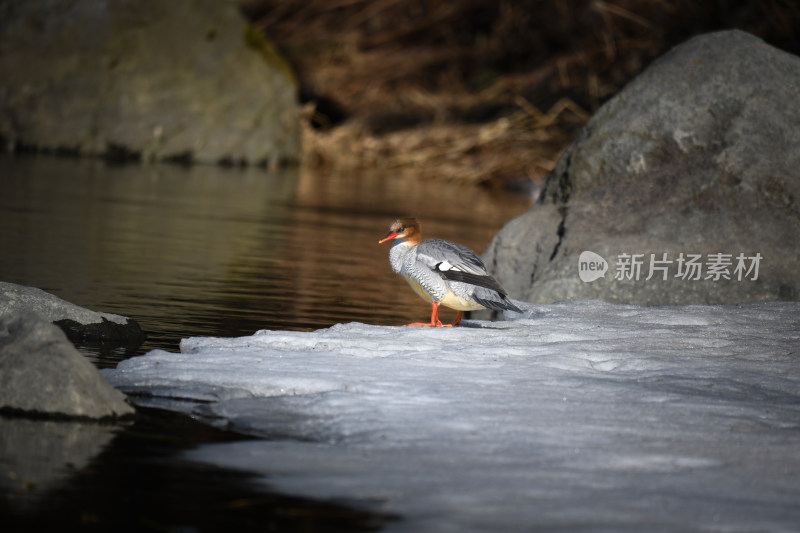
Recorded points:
(180, 80)
(42, 373)
(686, 184)
(78, 323)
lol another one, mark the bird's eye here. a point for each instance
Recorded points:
(402, 229)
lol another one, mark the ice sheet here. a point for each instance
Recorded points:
(581, 415)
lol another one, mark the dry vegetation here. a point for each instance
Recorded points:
(480, 91)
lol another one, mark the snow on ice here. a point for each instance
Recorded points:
(580, 415)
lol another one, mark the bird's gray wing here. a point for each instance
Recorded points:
(456, 263)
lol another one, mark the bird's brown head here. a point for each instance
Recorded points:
(407, 229)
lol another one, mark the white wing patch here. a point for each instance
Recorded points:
(444, 266)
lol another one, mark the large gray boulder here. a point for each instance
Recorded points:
(42, 373)
(80, 324)
(182, 79)
(698, 156)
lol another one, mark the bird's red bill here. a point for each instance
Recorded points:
(390, 235)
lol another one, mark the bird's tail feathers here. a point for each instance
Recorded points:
(497, 304)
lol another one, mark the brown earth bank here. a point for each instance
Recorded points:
(481, 92)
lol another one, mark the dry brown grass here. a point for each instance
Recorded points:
(521, 146)
(478, 91)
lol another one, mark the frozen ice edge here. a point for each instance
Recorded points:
(578, 415)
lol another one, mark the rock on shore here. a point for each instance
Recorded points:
(180, 80)
(77, 322)
(696, 162)
(42, 373)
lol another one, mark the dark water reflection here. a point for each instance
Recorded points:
(207, 251)
(138, 482)
(200, 251)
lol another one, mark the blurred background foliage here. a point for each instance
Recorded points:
(474, 90)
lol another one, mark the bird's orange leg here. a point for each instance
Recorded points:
(435, 322)
(456, 321)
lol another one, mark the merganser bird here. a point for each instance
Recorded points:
(443, 273)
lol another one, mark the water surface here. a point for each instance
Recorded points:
(199, 251)
(210, 251)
